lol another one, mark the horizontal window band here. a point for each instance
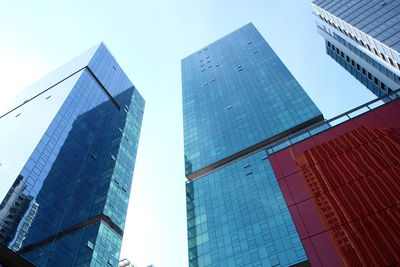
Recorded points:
(97, 219)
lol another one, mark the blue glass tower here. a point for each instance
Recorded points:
(239, 97)
(69, 145)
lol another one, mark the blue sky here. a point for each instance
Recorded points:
(148, 39)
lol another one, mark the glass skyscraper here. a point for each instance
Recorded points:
(364, 38)
(68, 147)
(239, 97)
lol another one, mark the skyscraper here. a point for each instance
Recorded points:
(364, 38)
(68, 147)
(237, 98)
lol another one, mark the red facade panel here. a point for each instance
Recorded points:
(344, 193)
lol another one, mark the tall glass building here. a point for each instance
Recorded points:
(68, 147)
(364, 38)
(239, 97)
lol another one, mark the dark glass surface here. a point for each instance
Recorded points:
(74, 189)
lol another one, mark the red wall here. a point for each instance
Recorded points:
(342, 187)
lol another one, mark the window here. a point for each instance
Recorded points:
(347, 59)
(114, 67)
(90, 245)
(358, 67)
(369, 76)
(376, 81)
(383, 56)
(391, 61)
(363, 71)
(329, 44)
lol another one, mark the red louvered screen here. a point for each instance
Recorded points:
(343, 190)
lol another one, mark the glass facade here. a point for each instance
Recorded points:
(238, 96)
(71, 179)
(367, 33)
(373, 83)
(237, 93)
(375, 23)
(237, 216)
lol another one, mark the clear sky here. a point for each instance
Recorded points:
(149, 38)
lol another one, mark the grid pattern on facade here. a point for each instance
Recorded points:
(81, 168)
(378, 87)
(372, 24)
(237, 217)
(237, 93)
